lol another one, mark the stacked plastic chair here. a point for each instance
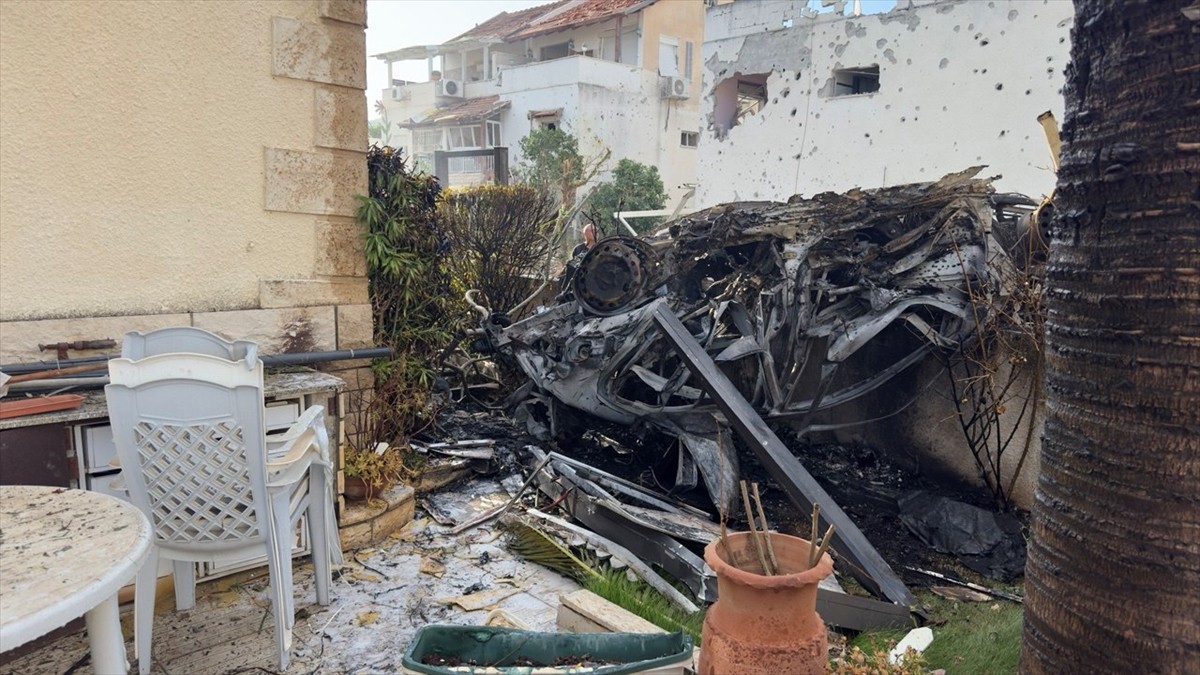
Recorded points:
(186, 409)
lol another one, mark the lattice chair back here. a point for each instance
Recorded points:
(138, 345)
(189, 433)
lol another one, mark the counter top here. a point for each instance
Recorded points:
(275, 385)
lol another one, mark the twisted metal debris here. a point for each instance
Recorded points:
(804, 305)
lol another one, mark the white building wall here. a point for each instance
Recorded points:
(606, 106)
(418, 99)
(961, 83)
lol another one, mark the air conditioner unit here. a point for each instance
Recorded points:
(675, 87)
(401, 93)
(449, 88)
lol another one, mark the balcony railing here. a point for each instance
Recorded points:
(570, 70)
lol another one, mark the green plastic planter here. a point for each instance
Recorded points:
(492, 650)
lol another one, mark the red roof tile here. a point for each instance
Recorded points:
(506, 22)
(578, 13)
(470, 110)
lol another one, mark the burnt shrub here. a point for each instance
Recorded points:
(500, 240)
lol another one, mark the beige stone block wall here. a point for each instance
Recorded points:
(277, 331)
(19, 340)
(218, 159)
(355, 327)
(313, 292)
(313, 182)
(212, 184)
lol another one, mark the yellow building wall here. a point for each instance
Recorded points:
(682, 19)
(181, 162)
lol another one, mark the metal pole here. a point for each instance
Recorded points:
(866, 563)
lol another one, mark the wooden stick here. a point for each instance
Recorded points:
(824, 544)
(758, 545)
(762, 517)
(812, 539)
(968, 584)
(725, 540)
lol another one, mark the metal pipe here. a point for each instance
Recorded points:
(271, 360)
(18, 368)
(61, 383)
(323, 357)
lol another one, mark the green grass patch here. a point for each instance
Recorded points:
(981, 638)
(644, 601)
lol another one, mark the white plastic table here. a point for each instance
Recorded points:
(66, 553)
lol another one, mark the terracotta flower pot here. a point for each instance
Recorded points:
(356, 489)
(764, 624)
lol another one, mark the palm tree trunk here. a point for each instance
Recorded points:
(1113, 578)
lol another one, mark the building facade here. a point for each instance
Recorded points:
(795, 102)
(800, 103)
(620, 75)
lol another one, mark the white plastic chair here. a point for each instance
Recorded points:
(138, 345)
(189, 431)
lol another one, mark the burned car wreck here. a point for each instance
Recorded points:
(758, 312)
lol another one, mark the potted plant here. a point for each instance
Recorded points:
(764, 623)
(370, 471)
(765, 618)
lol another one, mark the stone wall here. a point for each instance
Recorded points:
(192, 164)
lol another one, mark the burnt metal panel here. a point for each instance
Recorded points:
(865, 562)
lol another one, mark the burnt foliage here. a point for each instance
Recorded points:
(500, 236)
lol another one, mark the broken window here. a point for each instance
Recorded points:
(738, 98)
(751, 98)
(546, 119)
(689, 139)
(851, 81)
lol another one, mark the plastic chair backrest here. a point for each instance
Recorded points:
(138, 345)
(189, 433)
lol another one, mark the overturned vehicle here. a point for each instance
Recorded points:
(765, 311)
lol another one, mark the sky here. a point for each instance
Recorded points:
(393, 24)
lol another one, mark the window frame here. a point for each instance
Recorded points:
(857, 79)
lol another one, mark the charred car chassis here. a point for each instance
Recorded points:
(754, 312)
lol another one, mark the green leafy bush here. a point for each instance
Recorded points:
(550, 160)
(407, 251)
(635, 187)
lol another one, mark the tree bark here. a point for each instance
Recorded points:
(1113, 578)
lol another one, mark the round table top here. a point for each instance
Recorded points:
(62, 552)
